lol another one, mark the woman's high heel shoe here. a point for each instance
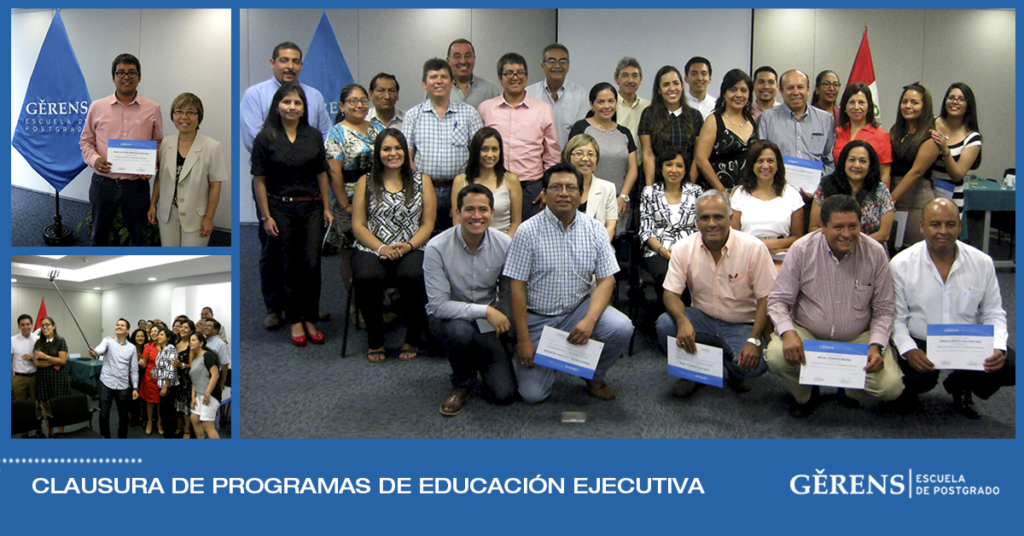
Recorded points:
(315, 338)
(299, 340)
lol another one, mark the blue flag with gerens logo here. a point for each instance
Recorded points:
(324, 66)
(53, 113)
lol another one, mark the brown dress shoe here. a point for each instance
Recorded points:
(272, 322)
(453, 404)
(684, 388)
(600, 390)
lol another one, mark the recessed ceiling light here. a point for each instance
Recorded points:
(13, 280)
(52, 256)
(152, 279)
(96, 288)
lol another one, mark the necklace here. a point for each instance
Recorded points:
(741, 125)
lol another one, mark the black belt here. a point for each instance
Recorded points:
(294, 199)
(29, 374)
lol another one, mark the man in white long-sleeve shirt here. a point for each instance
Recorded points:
(944, 281)
(119, 379)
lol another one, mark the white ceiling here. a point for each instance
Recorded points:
(85, 272)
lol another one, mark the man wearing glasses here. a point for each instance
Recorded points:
(569, 101)
(527, 128)
(125, 115)
(438, 131)
(562, 269)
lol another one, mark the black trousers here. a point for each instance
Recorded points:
(106, 195)
(373, 276)
(109, 396)
(270, 272)
(981, 383)
(296, 251)
(470, 351)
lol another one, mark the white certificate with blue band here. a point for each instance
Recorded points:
(834, 364)
(132, 157)
(703, 367)
(803, 174)
(960, 346)
(556, 352)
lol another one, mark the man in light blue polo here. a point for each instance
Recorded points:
(562, 271)
(286, 63)
(119, 378)
(438, 131)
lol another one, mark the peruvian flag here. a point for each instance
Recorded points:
(864, 71)
(42, 313)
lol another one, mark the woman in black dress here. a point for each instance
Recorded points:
(727, 134)
(668, 123)
(50, 355)
(289, 169)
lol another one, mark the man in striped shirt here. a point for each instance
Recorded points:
(833, 286)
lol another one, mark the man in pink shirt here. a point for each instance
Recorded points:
(527, 128)
(125, 115)
(834, 286)
(729, 274)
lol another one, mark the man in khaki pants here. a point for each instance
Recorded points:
(833, 286)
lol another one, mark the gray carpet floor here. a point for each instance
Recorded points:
(32, 212)
(313, 392)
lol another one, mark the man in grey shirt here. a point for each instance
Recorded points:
(469, 88)
(461, 269)
(119, 374)
(569, 101)
(799, 129)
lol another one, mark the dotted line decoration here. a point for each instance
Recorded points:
(70, 460)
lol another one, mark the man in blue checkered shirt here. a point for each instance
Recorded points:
(438, 130)
(553, 263)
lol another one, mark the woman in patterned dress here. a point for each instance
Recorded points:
(350, 156)
(721, 152)
(183, 394)
(393, 214)
(50, 355)
(858, 175)
(166, 375)
(668, 213)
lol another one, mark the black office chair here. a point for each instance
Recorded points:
(23, 417)
(69, 410)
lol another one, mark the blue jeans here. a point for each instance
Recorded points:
(123, 397)
(613, 329)
(444, 208)
(106, 195)
(714, 332)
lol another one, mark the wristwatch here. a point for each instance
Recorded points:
(881, 347)
(755, 342)
(626, 197)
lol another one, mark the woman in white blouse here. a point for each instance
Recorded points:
(763, 204)
(598, 199)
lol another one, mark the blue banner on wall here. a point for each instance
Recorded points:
(324, 66)
(54, 110)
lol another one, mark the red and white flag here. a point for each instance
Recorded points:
(42, 313)
(864, 71)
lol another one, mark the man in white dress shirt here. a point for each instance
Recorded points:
(944, 281)
(698, 79)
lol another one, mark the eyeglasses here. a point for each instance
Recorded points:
(581, 155)
(567, 188)
(958, 100)
(129, 74)
(189, 113)
(560, 61)
(514, 74)
(834, 85)
(356, 102)
(46, 325)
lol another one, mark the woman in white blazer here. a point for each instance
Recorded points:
(598, 199)
(187, 185)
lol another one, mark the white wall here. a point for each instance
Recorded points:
(934, 46)
(157, 301)
(412, 37)
(86, 306)
(180, 50)
(193, 298)
(596, 39)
